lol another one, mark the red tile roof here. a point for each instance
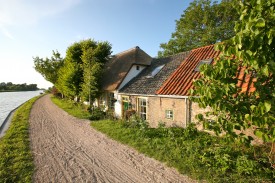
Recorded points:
(181, 81)
(245, 81)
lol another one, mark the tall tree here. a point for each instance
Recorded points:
(94, 59)
(202, 23)
(68, 79)
(254, 49)
(77, 73)
(71, 74)
(49, 67)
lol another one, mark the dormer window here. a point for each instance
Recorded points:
(206, 61)
(137, 67)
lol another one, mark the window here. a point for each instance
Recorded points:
(101, 102)
(125, 98)
(137, 67)
(169, 114)
(125, 103)
(142, 104)
(206, 61)
(111, 100)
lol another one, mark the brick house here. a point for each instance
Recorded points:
(181, 81)
(160, 93)
(158, 88)
(140, 93)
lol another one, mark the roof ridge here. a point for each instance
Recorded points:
(125, 51)
(203, 47)
(174, 56)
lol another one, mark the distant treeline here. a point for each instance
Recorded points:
(9, 86)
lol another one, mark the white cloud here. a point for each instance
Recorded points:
(21, 12)
(6, 33)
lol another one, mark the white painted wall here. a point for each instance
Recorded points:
(131, 74)
(117, 105)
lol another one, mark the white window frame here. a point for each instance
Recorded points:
(111, 104)
(169, 114)
(101, 102)
(140, 107)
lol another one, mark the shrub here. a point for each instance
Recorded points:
(97, 114)
(129, 113)
(136, 122)
(110, 114)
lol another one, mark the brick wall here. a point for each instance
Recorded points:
(156, 110)
(159, 105)
(195, 109)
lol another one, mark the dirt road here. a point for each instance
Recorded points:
(67, 149)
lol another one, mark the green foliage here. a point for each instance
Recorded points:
(254, 49)
(49, 68)
(72, 107)
(67, 80)
(70, 76)
(203, 23)
(16, 162)
(97, 114)
(197, 154)
(136, 121)
(246, 166)
(78, 110)
(93, 62)
(82, 70)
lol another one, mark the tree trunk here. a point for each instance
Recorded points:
(272, 155)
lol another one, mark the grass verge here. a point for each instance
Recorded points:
(72, 108)
(196, 154)
(193, 153)
(16, 161)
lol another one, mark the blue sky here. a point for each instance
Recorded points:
(30, 28)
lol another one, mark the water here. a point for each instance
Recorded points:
(11, 100)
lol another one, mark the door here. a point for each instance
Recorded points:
(125, 105)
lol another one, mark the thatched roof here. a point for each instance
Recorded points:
(118, 66)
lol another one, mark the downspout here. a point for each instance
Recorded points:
(186, 111)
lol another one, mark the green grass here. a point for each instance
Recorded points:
(72, 108)
(193, 153)
(196, 154)
(16, 161)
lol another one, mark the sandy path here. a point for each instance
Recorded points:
(67, 149)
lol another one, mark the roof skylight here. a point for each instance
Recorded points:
(155, 71)
(206, 61)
